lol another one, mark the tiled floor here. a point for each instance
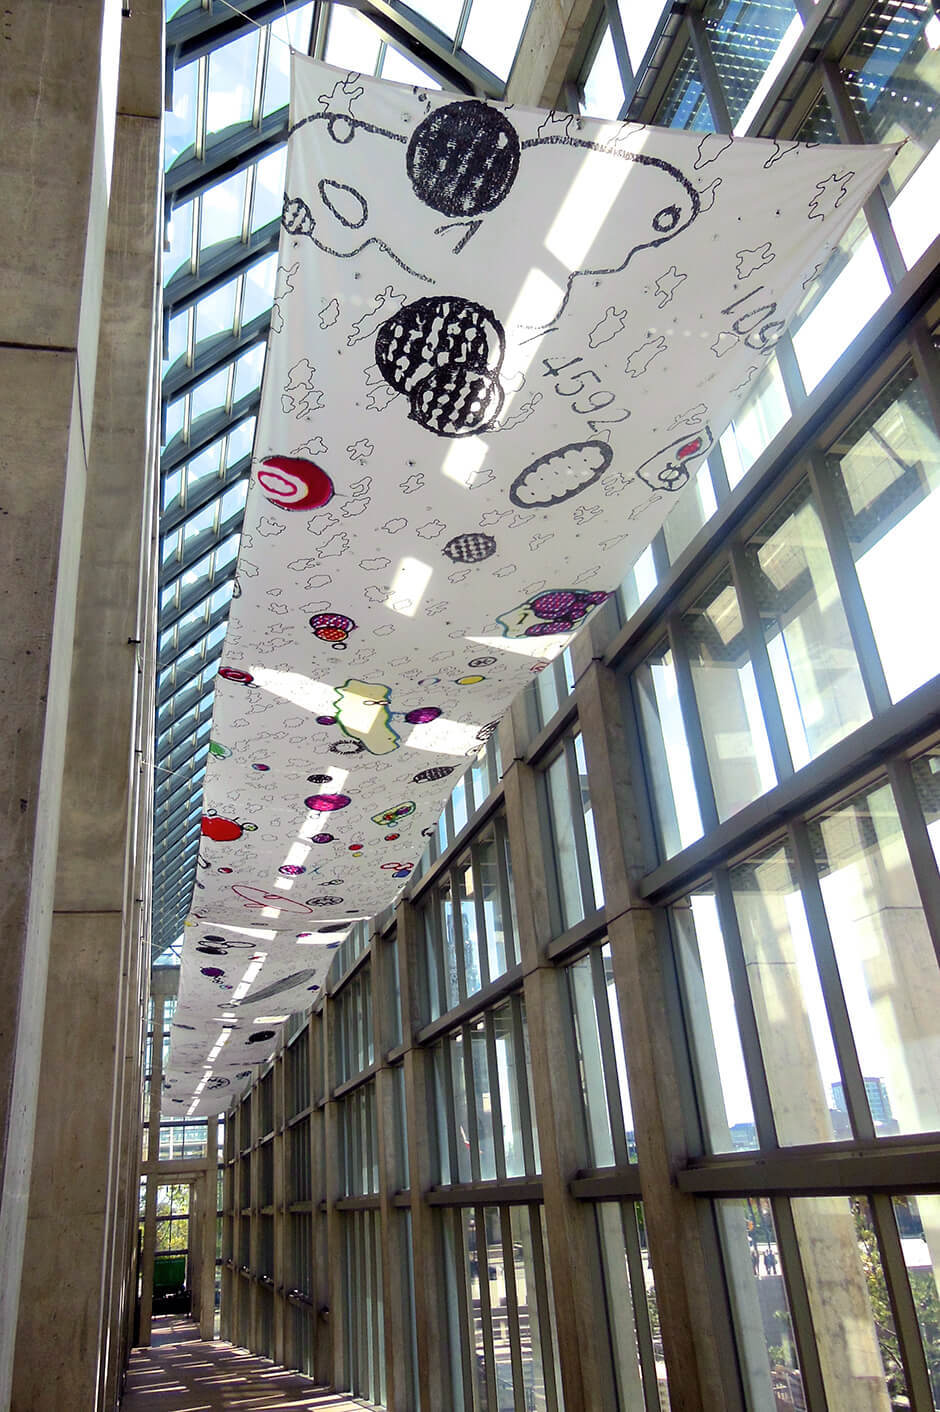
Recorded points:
(181, 1374)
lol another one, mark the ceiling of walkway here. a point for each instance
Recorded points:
(225, 147)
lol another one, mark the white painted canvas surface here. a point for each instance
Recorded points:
(502, 342)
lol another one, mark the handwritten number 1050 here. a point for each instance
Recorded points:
(576, 386)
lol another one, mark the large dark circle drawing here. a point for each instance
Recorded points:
(463, 158)
(558, 475)
(444, 354)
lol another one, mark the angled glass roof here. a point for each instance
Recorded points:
(228, 73)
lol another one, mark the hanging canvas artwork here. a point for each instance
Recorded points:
(503, 342)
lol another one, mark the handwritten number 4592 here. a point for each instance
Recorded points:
(576, 385)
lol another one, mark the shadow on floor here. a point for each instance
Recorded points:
(180, 1373)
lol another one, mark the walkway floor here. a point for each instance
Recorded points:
(179, 1373)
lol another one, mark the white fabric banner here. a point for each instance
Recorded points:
(502, 342)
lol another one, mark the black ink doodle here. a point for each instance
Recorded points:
(670, 468)
(298, 219)
(470, 548)
(331, 200)
(558, 475)
(444, 353)
(463, 158)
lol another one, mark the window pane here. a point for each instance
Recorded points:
(493, 32)
(486, 863)
(528, 1255)
(603, 86)
(685, 104)
(749, 40)
(466, 901)
(587, 813)
(351, 42)
(565, 854)
(815, 670)
(723, 679)
(590, 1063)
(886, 958)
(231, 84)
(483, 1100)
(179, 126)
(892, 73)
(926, 773)
(724, 1092)
(690, 513)
(852, 1319)
(668, 763)
(796, 1043)
(766, 410)
(846, 291)
(887, 472)
(639, 19)
(918, 1221)
(759, 1305)
(512, 1089)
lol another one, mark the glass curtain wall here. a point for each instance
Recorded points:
(648, 1056)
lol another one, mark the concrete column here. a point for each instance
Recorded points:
(209, 1234)
(434, 1379)
(546, 49)
(53, 203)
(397, 1334)
(692, 1321)
(153, 1153)
(577, 1275)
(78, 231)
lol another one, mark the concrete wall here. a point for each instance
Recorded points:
(78, 277)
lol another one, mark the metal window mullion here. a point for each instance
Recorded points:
(801, 1314)
(483, 951)
(473, 1135)
(901, 1298)
(641, 1313)
(875, 207)
(608, 1058)
(659, 550)
(708, 70)
(444, 1049)
(695, 736)
(486, 1311)
(760, 662)
(744, 1011)
(790, 372)
(522, 1084)
(248, 206)
(202, 100)
(853, 1082)
(917, 841)
(462, 24)
(496, 1103)
(619, 41)
(543, 1319)
(512, 1311)
(850, 590)
(261, 68)
(579, 829)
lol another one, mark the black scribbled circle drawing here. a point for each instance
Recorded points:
(470, 548)
(463, 158)
(671, 468)
(444, 353)
(558, 475)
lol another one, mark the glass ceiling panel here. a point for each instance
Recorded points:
(231, 93)
(179, 125)
(493, 33)
(226, 107)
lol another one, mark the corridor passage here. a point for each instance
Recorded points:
(179, 1373)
